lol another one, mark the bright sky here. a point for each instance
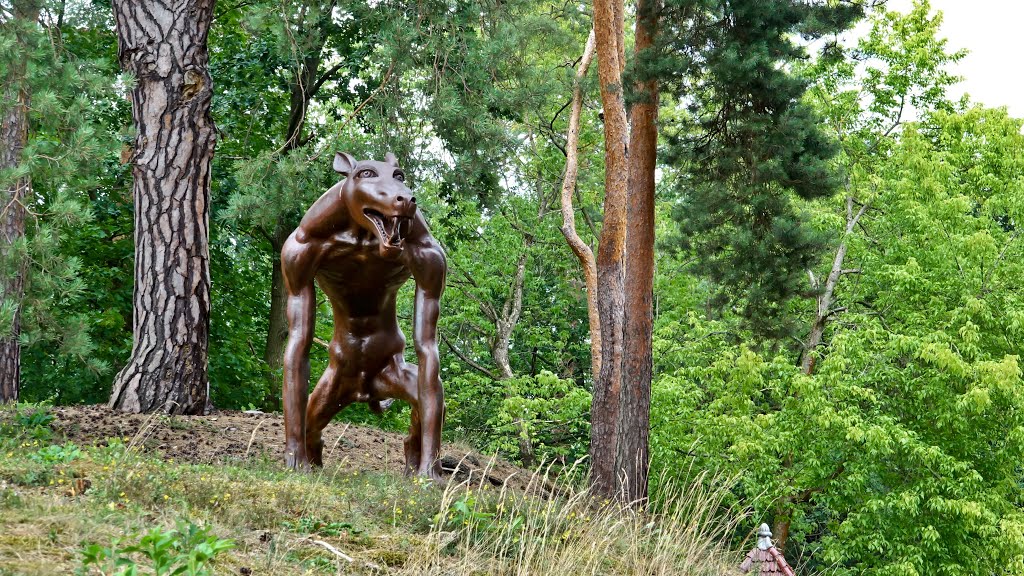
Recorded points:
(991, 30)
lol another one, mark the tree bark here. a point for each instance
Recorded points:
(823, 313)
(607, 383)
(163, 44)
(633, 452)
(13, 138)
(580, 248)
(506, 323)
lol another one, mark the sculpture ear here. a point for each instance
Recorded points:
(390, 159)
(344, 163)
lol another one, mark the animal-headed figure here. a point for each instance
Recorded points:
(360, 242)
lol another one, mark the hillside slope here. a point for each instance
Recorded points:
(87, 491)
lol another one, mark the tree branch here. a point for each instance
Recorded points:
(466, 359)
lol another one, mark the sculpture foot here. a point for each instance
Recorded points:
(297, 460)
(433, 473)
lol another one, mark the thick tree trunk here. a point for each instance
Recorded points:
(13, 137)
(163, 43)
(580, 248)
(633, 453)
(607, 383)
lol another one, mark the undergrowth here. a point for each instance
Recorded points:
(112, 509)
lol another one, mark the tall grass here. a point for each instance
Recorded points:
(558, 528)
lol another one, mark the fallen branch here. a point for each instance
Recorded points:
(341, 554)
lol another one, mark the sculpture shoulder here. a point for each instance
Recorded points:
(423, 247)
(427, 262)
(325, 217)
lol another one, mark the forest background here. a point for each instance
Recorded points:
(852, 362)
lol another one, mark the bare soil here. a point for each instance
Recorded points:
(230, 437)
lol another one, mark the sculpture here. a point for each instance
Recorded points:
(360, 242)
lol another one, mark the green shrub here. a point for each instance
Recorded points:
(185, 551)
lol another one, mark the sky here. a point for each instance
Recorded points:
(991, 30)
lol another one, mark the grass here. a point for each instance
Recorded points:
(331, 521)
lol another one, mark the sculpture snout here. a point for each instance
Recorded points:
(405, 203)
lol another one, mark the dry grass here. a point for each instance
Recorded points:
(561, 530)
(337, 521)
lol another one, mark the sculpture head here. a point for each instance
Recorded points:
(378, 199)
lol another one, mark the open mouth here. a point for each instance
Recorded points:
(391, 230)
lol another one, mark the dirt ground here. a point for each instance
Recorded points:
(230, 436)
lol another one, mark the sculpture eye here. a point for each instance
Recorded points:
(399, 176)
(367, 173)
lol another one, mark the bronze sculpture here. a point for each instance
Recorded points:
(360, 242)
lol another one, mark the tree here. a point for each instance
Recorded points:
(13, 137)
(163, 45)
(751, 145)
(56, 95)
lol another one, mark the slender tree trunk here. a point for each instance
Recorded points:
(826, 296)
(13, 137)
(633, 452)
(163, 43)
(607, 384)
(302, 91)
(277, 325)
(504, 326)
(580, 248)
(824, 311)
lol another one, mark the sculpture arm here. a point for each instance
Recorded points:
(297, 266)
(429, 270)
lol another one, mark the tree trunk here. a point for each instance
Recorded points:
(823, 313)
(607, 384)
(163, 44)
(826, 297)
(504, 325)
(633, 452)
(13, 137)
(303, 89)
(580, 248)
(277, 325)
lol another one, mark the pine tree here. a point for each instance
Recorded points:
(50, 152)
(163, 44)
(750, 144)
(13, 138)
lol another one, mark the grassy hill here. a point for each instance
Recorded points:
(89, 491)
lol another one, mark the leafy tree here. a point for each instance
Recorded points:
(750, 145)
(50, 147)
(899, 453)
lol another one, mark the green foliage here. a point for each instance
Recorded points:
(550, 412)
(310, 525)
(24, 421)
(749, 146)
(900, 453)
(67, 92)
(186, 550)
(897, 453)
(56, 454)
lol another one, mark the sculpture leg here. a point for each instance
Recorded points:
(327, 399)
(401, 380)
(412, 443)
